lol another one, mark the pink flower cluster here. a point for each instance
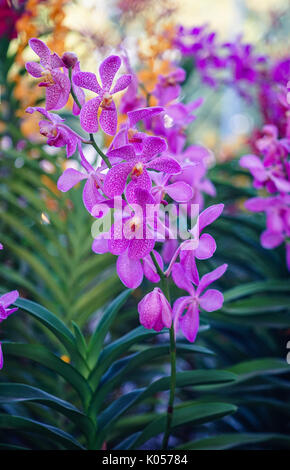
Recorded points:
(271, 173)
(146, 165)
(5, 301)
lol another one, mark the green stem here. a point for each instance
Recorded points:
(170, 407)
(92, 139)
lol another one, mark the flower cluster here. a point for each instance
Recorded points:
(146, 169)
(232, 62)
(271, 173)
(5, 301)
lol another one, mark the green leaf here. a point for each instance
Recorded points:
(52, 433)
(17, 393)
(257, 305)
(55, 325)
(183, 379)
(116, 349)
(42, 356)
(187, 413)
(229, 441)
(120, 370)
(259, 367)
(256, 287)
(97, 339)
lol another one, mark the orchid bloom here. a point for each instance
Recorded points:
(273, 177)
(129, 134)
(205, 248)
(178, 191)
(5, 301)
(94, 183)
(168, 88)
(133, 231)
(56, 83)
(155, 311)
(58, 134)
(136, 166)
(89, 113)
(277, 211)
(186, 309)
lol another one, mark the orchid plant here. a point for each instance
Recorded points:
(145, 166)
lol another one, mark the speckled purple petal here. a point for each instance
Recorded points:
(108, 69)
(143, 182)
(87, 80)
(117, 243)
(34, 69)
(140, 248)
(153, 146)
(109, 119)
(122, 83)
(89, 115)
(143, 113)
(41, 49)
(57, 94)
(126, 152)
(165, 164)
(116, 178)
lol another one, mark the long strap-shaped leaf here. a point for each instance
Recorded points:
(230, 441)
(97, 339)
(54, 324)
(190, 413)
(52, 433)
(42, 356)
(14, 393)
(120, 369)
(183, 379)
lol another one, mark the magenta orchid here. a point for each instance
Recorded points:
(5, 301)
(56, 82)
(89, 113)
(155, 311)
(186, 309)
(136, 166)
(58, 134)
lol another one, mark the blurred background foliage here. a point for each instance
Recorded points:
(48, 258)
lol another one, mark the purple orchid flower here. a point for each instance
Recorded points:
(5, 301)
(58, 134)
(273, 177)
(168, 88)
(92, 197)
(186, 309)
(89, 113)
(56, 83)
(136, 166)
(133, 230)
(202, 246)
(277, 211)
(155, 311)
(131, 271)
(129, 134)
(179, 191)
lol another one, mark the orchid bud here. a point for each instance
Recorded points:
(69, 59)
(155, 311)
